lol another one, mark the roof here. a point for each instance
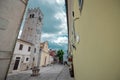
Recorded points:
(43, 44)
(35, 10)
(25, 41)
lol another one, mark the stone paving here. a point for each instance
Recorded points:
(54, 72)
(64, 75)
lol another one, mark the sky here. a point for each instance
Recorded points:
(54, 29)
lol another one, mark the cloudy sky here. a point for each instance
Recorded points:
(54, 29)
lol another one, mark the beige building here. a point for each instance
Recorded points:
(21, 56)
(45, 57)
(94, 38)
(11, 14)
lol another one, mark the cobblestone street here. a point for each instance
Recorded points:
(54, 72)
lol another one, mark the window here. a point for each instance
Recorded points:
(73, 13)
(33, 59)
(27, 59)
(31, 15)
(34, 50)
(20, 47)
(40, 19)
(29, 48)
(17, 57)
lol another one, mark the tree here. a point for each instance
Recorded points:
(60, 54)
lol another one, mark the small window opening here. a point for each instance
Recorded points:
(21, 47)
(29, 48)
(27, 59)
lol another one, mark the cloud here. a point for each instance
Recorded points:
(48, 37)
(63, 26)
(61, 40)
(56, 41)
(51, 2)
(61, 2)
(54, 15)
(54, 38)
(57, 47)
(54, 29)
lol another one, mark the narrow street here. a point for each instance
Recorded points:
(54, 72)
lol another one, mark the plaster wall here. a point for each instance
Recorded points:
(97, 55)
(11, 13)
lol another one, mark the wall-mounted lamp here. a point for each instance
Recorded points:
(77, 38)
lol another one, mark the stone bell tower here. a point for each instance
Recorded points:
(32, 32)
(32, 27)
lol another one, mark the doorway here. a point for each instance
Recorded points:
(16, 63)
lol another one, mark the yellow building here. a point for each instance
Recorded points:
(94, 38)
(45, 57)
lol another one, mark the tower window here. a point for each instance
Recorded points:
(31, 15)
(40, 19)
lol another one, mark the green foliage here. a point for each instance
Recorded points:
(60, 54)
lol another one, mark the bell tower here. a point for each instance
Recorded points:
(32, 27)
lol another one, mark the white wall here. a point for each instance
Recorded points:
(11, 13)
(24, 51)
(23, 54)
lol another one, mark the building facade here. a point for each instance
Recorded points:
(22, 55)
(32, 32)
(94, 38)
(26, 53)
(45, 56)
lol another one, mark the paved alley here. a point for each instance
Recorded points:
(54, 72)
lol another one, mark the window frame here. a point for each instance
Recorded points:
(20, 46)
(27, 59)
(29, 48)
(34, 50)
(32, 15)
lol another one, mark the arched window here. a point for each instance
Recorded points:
(31, 15)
